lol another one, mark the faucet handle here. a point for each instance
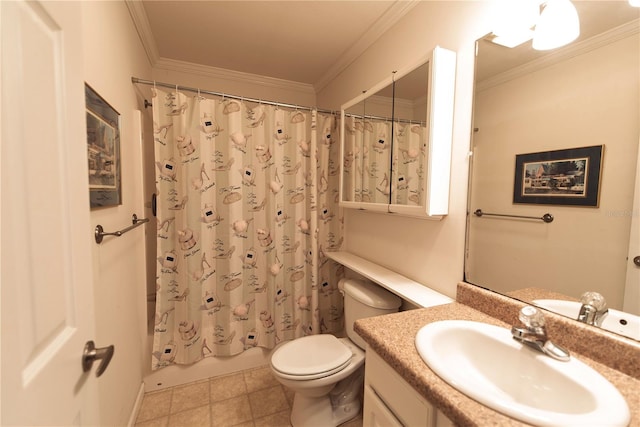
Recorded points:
(531, 317)
(595, 300)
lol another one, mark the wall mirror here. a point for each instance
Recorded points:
(534, 102)
(396, 141)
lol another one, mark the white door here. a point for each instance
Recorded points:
(632, 285)
(47, 294)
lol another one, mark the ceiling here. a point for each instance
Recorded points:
(305, 41)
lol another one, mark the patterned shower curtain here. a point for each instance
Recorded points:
(368, 161)
(410, 152)
(247, 206)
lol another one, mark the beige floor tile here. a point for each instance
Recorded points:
(223, 388)
(190, 396)
(155, 405)
(231, 411)
(268, 401)
(156, 422)
(197, 417)
(280, 419)
(259, 378)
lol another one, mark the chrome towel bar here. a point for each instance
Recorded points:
(546, 217)
(100, 233)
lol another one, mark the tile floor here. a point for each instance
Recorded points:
(251, 398)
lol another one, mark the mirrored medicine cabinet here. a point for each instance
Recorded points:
(396, 141)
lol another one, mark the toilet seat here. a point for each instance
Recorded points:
(311, 357)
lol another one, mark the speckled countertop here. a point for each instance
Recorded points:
(392, 337)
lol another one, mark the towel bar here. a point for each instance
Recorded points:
(546, 217)
(100, 233)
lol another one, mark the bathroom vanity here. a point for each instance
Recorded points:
(390, 401)
(400, 389)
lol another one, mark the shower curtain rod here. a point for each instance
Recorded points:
(224, 95)
(261, 101)
(385, 119)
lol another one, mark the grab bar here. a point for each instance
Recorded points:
(100, 233)
(546, 217)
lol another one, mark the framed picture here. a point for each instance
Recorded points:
(561, 177)
(103, 149)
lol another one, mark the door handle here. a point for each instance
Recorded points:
(636, 261)
(91, 354)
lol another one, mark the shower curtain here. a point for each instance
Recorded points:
(374, 174)
(410, 153)
(247, 206)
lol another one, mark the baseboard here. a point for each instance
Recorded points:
(136, 407)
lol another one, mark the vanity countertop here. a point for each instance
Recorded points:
(392, 337)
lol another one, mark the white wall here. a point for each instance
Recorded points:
(591, 99)
(233, 82)
(112, 55)
(429, 252)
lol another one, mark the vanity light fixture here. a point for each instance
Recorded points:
(634, 3)
(557, 26)
(515, 22)
(521, 20)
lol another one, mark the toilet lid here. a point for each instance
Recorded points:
(314, 355)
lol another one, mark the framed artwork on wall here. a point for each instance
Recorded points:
(561, 177)
(103, 151)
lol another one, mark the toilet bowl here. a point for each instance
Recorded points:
(327, 373)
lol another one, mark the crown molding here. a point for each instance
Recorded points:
(575, 49)
(230, 75)
(384, 23)
(141, 22)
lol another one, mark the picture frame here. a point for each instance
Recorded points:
(103, 151)
(568, 177)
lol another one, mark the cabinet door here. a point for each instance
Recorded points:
(376, 413)
(400, 398)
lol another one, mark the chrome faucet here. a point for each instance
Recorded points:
(593, 309)
(534, 334)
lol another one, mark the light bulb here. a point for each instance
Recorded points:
(558, 25)
(514, 22)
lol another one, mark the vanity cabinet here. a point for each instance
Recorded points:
(389, 401)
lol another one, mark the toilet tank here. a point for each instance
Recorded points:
(365, 299)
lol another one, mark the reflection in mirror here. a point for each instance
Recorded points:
(585, 94)
(377, 143)
(410, 137)
(353, 152)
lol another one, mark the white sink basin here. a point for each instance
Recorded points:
(484, 362)
(615, 321)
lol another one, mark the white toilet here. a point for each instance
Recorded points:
(325, 372)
